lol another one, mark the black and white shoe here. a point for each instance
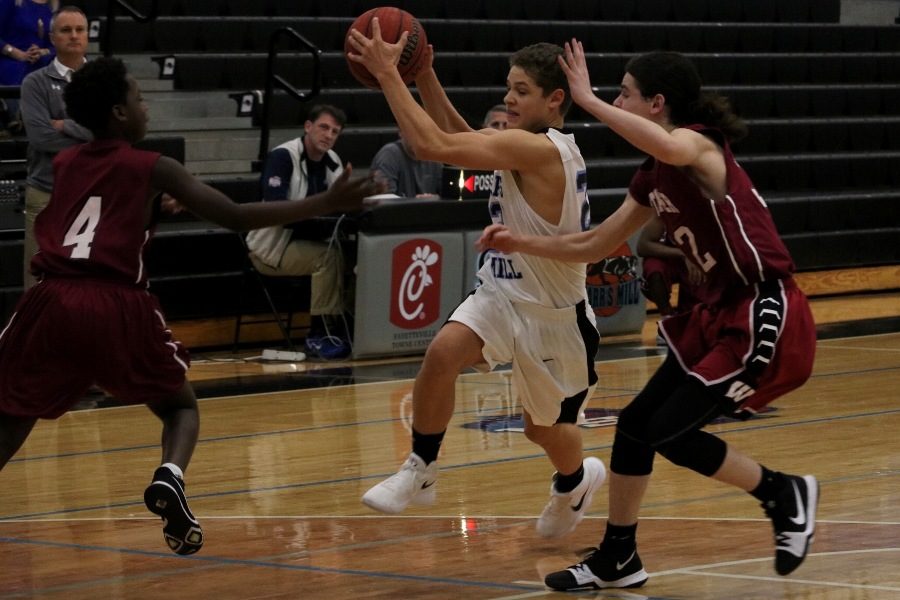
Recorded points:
(565, 511)
(165, 497)
(600, 570)
(793, 516)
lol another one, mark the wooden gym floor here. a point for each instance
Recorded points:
(286, 450)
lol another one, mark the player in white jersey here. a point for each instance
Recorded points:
(529, 311)
(546, 328)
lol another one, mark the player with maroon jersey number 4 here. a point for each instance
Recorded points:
(90, 319)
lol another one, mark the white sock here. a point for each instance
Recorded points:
(175, 469)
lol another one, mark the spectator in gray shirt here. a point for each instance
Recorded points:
(397, 167)
(48, 128)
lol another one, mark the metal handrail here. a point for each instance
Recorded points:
(272, 79)
(132, 12)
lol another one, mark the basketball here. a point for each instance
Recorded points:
(394, 22)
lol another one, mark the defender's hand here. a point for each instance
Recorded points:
(348, 195)
(496, 237)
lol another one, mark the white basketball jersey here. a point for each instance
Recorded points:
(526, 278)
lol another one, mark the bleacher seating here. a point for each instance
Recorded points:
(205, 71)
(796, 11)
(251, 34)
(822, 101)
(770, 101)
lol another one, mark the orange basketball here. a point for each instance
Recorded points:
(394, 22)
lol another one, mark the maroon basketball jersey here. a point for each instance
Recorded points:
(96, 224)
(734, 241)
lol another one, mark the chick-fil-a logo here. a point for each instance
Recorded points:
(416, 283)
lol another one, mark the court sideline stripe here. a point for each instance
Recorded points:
(344, 425)
(293, 486)
(224, 561)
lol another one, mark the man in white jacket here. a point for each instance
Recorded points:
(294, 170)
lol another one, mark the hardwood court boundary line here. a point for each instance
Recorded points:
(220, 561)
(533, 456)
(292, 431)
(225, 561)
(694, 570)
(698, 570)
(217, 561)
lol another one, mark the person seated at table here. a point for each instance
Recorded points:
(298, 168)
(397, 166)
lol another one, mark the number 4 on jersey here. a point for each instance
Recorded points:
(81, 233)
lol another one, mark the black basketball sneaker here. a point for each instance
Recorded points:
(793, 515)
(165, 497)
(600, 570)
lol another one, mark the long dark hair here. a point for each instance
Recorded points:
(676, 78)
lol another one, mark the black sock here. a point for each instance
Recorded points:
(334, 325)
(770, 485)
(427, 445)
(316, 325)
(620, 540)
(566, 483)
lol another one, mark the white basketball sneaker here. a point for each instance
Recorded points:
(412, 484)
(565, 511)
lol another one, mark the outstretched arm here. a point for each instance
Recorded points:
(586, 246)
(679, 147)
(511, 149)
(344, 195)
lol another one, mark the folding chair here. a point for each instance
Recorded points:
(253, 277)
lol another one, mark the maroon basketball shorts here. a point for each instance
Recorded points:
(69, 334)
(752, 349)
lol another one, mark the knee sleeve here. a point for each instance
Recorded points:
(675, 430)
(635, 418)
(630, 456)
(633, 421)
(698, 451)
(632, 451)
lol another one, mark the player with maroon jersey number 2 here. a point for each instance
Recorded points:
(749, 340)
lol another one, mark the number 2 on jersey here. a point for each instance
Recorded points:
(705, 262)
(81, 233)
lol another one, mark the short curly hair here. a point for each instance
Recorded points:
(95, 88)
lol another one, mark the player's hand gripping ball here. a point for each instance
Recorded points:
(394, 22)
